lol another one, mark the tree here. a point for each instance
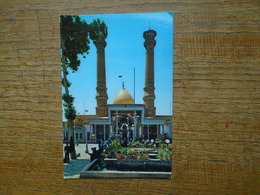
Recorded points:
(98, 30)
(74, 41)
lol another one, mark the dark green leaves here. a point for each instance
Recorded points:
(74, 39)
(98, 30)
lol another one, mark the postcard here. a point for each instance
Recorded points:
(117, 86)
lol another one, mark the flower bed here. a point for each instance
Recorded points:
(115, 150)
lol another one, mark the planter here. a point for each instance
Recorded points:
(119, 155)
(154, 169)
(163, 146)
(161, 157)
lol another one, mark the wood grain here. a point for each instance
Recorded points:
(216, 98)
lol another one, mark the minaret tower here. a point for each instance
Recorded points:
(101, 96)
(149, 96)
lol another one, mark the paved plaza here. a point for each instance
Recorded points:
(72, 169)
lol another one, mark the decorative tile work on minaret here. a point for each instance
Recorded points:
(149, 96)
(101, 96)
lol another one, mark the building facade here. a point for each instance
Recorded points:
(123, 119)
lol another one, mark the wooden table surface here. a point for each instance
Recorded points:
(216, 101)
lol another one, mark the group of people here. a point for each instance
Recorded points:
(123, 141)
(68, 149)
(156, 141)
(103, 145)
(96, 153)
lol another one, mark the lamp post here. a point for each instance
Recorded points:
(86, 132)
(134, 134)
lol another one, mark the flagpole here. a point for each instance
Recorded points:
(134, 85)
(134, 133)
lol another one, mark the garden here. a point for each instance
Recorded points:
(139, 150)
(137, 160)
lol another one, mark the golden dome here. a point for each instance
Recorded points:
(123, 97)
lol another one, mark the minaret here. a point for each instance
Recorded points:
(101, 96)
(149, 96)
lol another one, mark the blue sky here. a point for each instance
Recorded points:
(124, 52)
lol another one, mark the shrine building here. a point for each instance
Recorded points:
(124, 118)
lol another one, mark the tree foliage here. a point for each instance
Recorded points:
(98, 30)
(70, 111)
(74, 39)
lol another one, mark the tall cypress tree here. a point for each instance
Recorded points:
(74, 39)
